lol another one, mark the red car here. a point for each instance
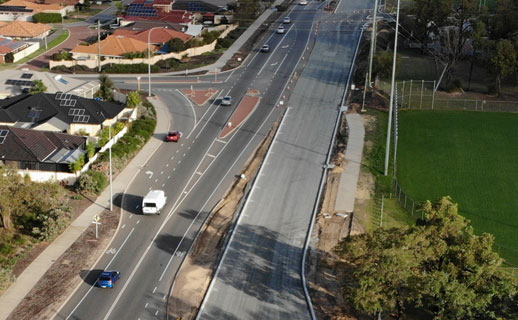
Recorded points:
(173, 136)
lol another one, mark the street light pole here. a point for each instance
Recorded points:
(373, 40)
(110, 153)
(389, 129)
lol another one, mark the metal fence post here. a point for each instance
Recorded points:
(410, 95)
(422, 92)
(433, 94)
(381, 217)
(403, 95)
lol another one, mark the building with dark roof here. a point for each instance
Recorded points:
(27, 149)
(203, 6)
(61, 112)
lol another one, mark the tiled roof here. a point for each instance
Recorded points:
(115, 46)
(33, 145)
(23, 29)
(37, 7)
(174, 16)
(162, 35)
(40, 108)
(8, 45)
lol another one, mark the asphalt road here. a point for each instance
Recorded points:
(194, 174)
(260, 274)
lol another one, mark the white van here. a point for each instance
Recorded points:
(153, 202)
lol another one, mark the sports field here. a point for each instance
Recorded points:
(471, 156)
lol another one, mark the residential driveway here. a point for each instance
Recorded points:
(77, 35)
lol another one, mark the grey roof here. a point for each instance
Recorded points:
(67, 108)
(17, 144)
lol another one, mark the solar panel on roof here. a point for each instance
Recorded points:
(34, 113)
(58, 95)
(26, 76)
(3, 135)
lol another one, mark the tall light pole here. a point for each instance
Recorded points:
(149, 57)
(373, 40)
(389, 129)
(110, 153)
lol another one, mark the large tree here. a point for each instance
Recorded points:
(106, 87)
(439, 265)
(504, 61)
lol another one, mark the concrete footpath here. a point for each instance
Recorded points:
(353, 157)
(32, 274)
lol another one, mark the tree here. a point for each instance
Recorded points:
(133, 99)
(176, 45)
(10, 181)
(383, 63)
(504, 61)
(439, 265)
(9, 57)
(429, 14)
(106, 87)
(37, 87)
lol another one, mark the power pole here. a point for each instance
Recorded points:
(99, 43)
(373, 40)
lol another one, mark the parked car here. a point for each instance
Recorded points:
(280, 29)
(265, 48)
(286, 20)
(173, 136)
(226, 101)
(303, 2)
(108, 278)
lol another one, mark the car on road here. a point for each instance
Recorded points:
(265, 48)
(286, 20)
(226, 101)
(280, 29)
(303, 2)
(108, 278)
(173, 136)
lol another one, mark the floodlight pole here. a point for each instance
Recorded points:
(389, 129)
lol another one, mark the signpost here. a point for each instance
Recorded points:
(97, 223)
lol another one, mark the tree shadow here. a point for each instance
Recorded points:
(167, 243)
(90, 276)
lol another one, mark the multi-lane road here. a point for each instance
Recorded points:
(194, 174)
(260, 274)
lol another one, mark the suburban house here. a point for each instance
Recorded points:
(113, 47)
(157, 10)
(158, 36)
(20, 10)
(203, 6)
(148, 24)
(61, 112)
(26, 149)
(18, 49)
(14, 82)
(23, 30)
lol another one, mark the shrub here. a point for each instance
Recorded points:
(51, 224)
(9, 57)
(90, 150)
(47, 17)
(78, 164)
(211, 36)
(62, 55)
(224, 43)
(130, 68)
(176, 45)
(133, 55)
(91, 182)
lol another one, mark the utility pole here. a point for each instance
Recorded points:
(373, 40)
(99, 44)
(391, 105)
(111, 179)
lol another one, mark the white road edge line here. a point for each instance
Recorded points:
(193, 111)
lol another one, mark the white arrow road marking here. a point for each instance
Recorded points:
(150, 173)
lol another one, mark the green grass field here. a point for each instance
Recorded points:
(471, 156)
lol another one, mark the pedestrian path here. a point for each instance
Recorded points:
(353, 159)
(32, 274)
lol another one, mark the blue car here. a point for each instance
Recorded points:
(108, 279)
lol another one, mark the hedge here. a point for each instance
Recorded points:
(47, 17)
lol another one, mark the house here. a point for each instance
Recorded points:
(23, 30)
(113, 46)
(142, 25)
(27, 149)
(157, 37)
(203, 6)
(157, 10)
(61, 112)
(14, 82)
(20, 10)
(18, 49)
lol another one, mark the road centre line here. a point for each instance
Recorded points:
(273, 52)
(275, 73)
(230, 75)
(210, 155)
(107, 266)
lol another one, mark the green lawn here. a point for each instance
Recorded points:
(471, 156)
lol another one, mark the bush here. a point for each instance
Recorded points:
(133, 55)
(91, 182)
(62, 55)
(211, 36)
(9, 57)
(176, 45)
(224, 43)
(51, 224)
(130, 68)
(47, 17)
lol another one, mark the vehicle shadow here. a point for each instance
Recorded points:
(90, 276)
(130, 204)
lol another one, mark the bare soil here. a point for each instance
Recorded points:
(197, 270)
(73, 267)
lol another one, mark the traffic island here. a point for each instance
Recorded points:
(245, 108)
(200, 97)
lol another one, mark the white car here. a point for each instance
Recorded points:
(226, 101)
(303, 2)
(280, 29)
(286, 20)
